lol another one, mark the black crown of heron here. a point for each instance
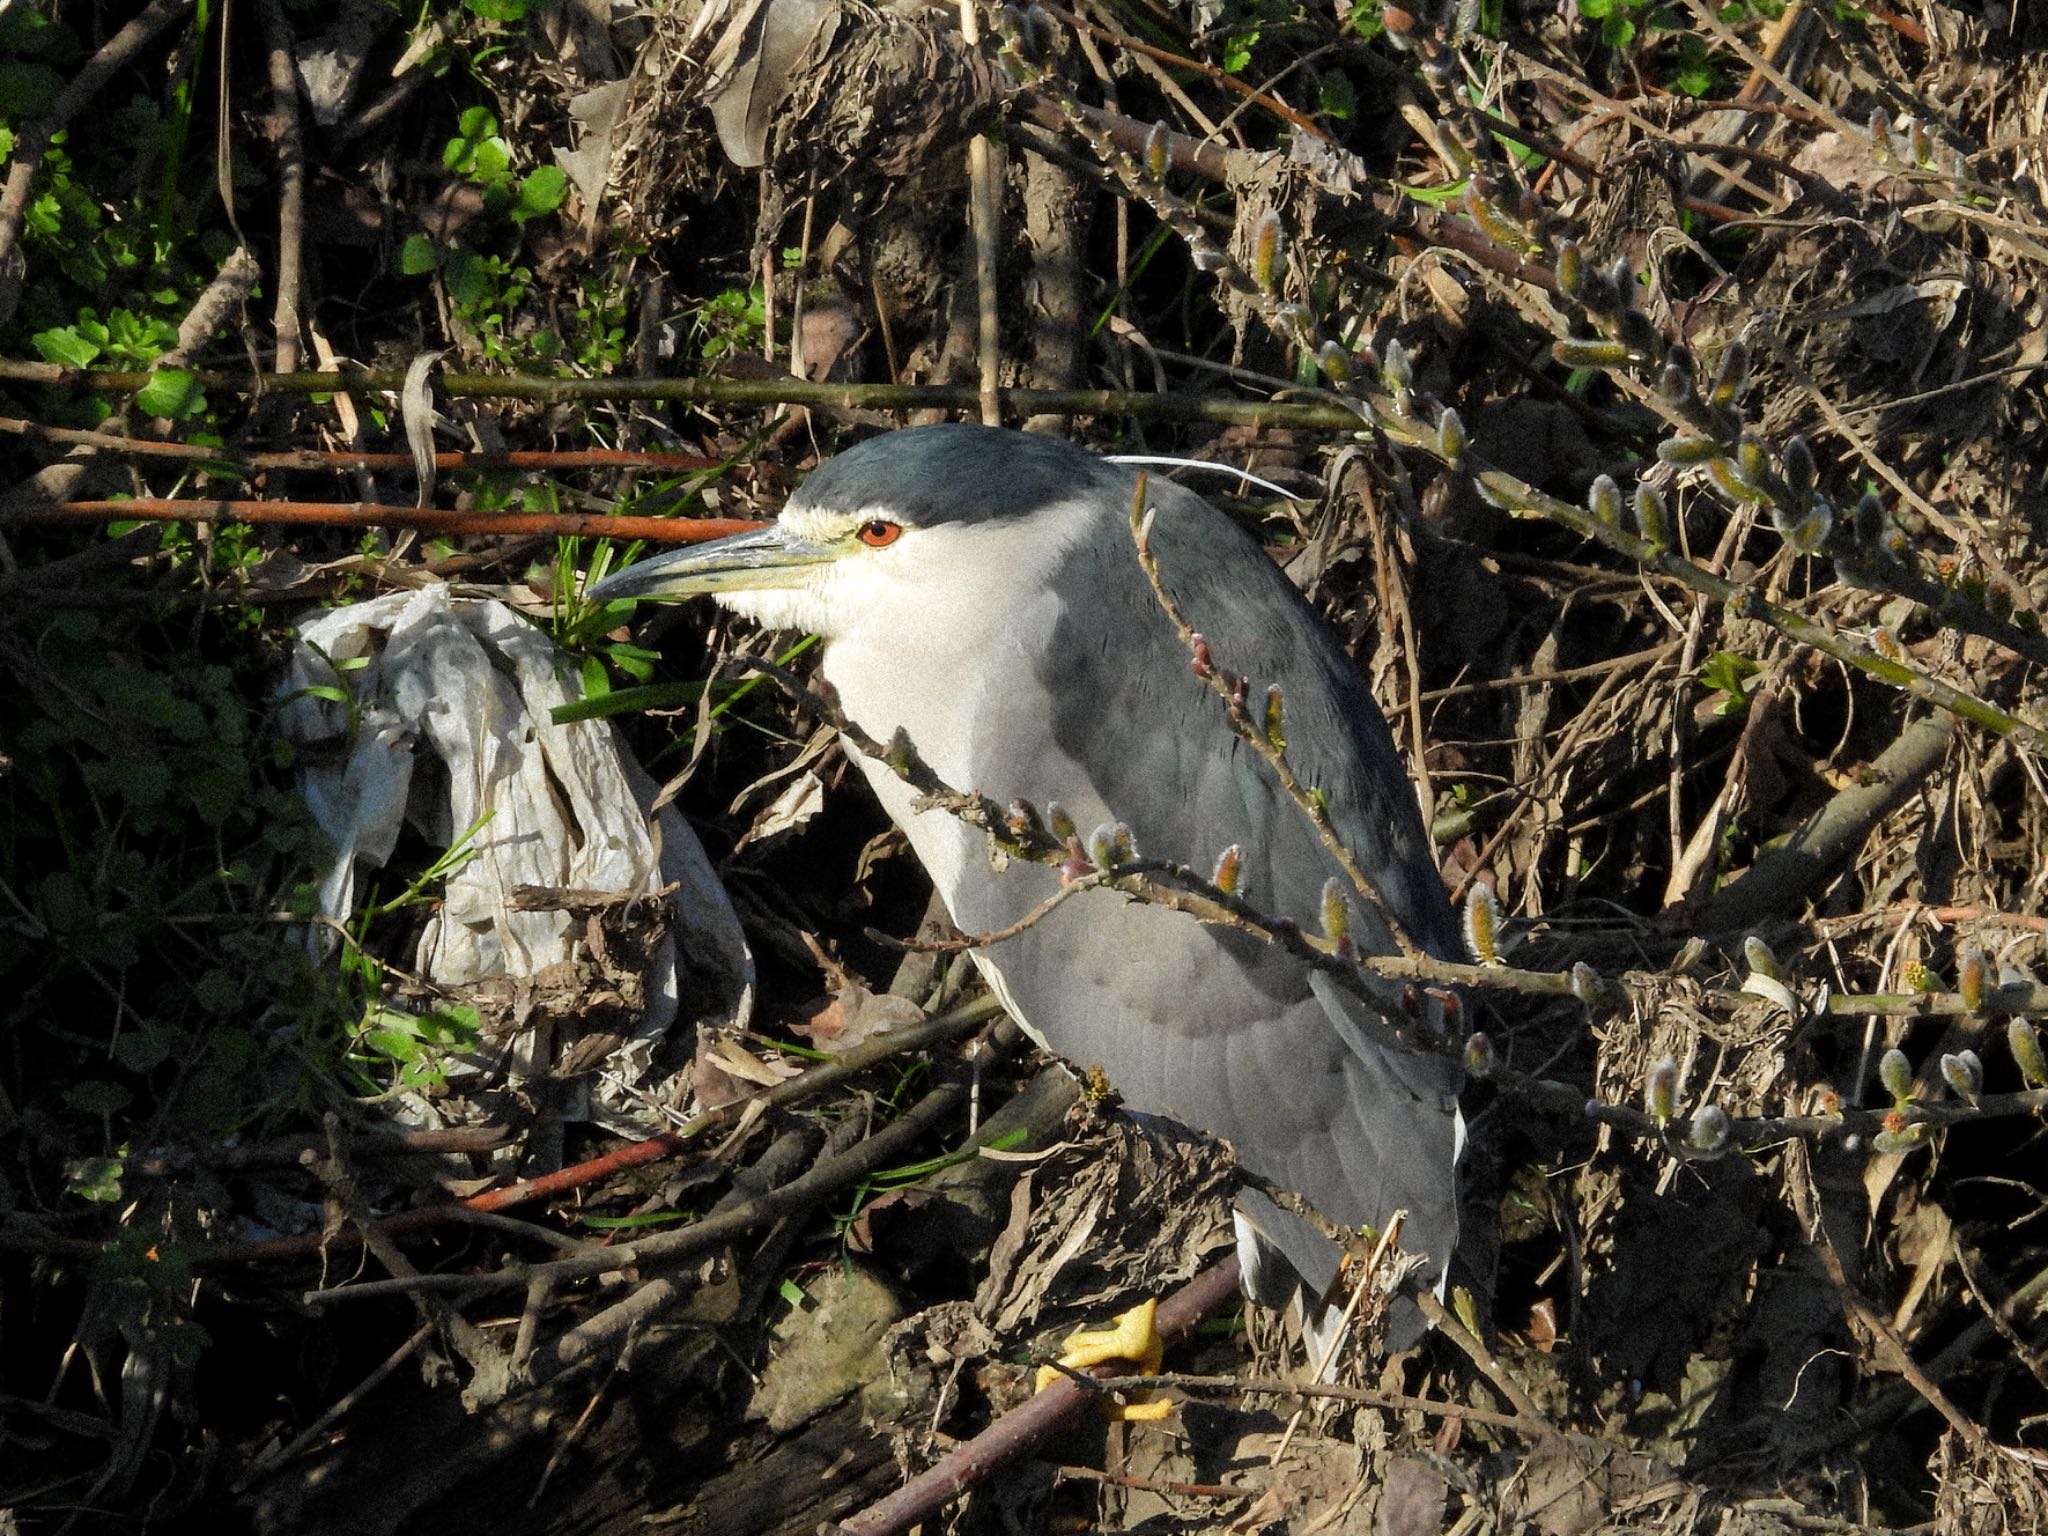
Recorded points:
(980, 590)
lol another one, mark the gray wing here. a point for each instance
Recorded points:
(1236, 1040)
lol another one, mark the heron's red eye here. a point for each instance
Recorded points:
(880, 533)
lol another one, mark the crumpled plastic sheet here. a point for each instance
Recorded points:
(470, 684)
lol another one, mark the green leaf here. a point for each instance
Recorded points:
(173, 393)
(542, 192)
(138, 782)
(492, 160)
(469, 277)
(65, 347)
(1339, 97)
(61, 902)
(94, 1178)
(218, 992)
(1727, 673)
(143, 1050)
(96, 1096)
(28, 89)
(632, 660)
(417, 255)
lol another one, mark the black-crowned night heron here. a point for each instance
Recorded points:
(981, 590)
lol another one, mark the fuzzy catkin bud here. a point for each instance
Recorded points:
(1811, 533)
(1919, 142)
(1274, 727)
(1896, 1143)
(1752, 459)
(1797, 466)
(1603, 500)
(1450, 437)
(1896, 1073)
(1640, 337)
(1964, 1074)
(1336, 911)
(1397, 369)
(1731, 482)
(1652, 522)
(1685, 451)
(1269, 252)
(1972, 974)
(1622, 278)
(1660, 1091)
(1731, 378)
(1585, 983)
(1157, 158)
(1449, 148)
(1482, 924)
(1709, 1131)
(1589, 352)
(1059, 822)
(1229, 870)
(2025, 1045)
(1571, 269)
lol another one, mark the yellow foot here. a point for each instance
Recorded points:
(1134, 1338)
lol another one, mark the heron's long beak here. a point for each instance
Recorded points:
(767, 558)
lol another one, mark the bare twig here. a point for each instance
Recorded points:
(1266, 738)
(358, 514)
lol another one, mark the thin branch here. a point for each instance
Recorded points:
(737, 393)
(1266, 739)
(340, 461)
(361, 514)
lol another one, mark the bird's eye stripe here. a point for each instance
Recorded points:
(880, 533)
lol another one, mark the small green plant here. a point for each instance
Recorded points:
(391, 1047)
(1732, 677)
(732, 321)
(583, 627)
(486, 288)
